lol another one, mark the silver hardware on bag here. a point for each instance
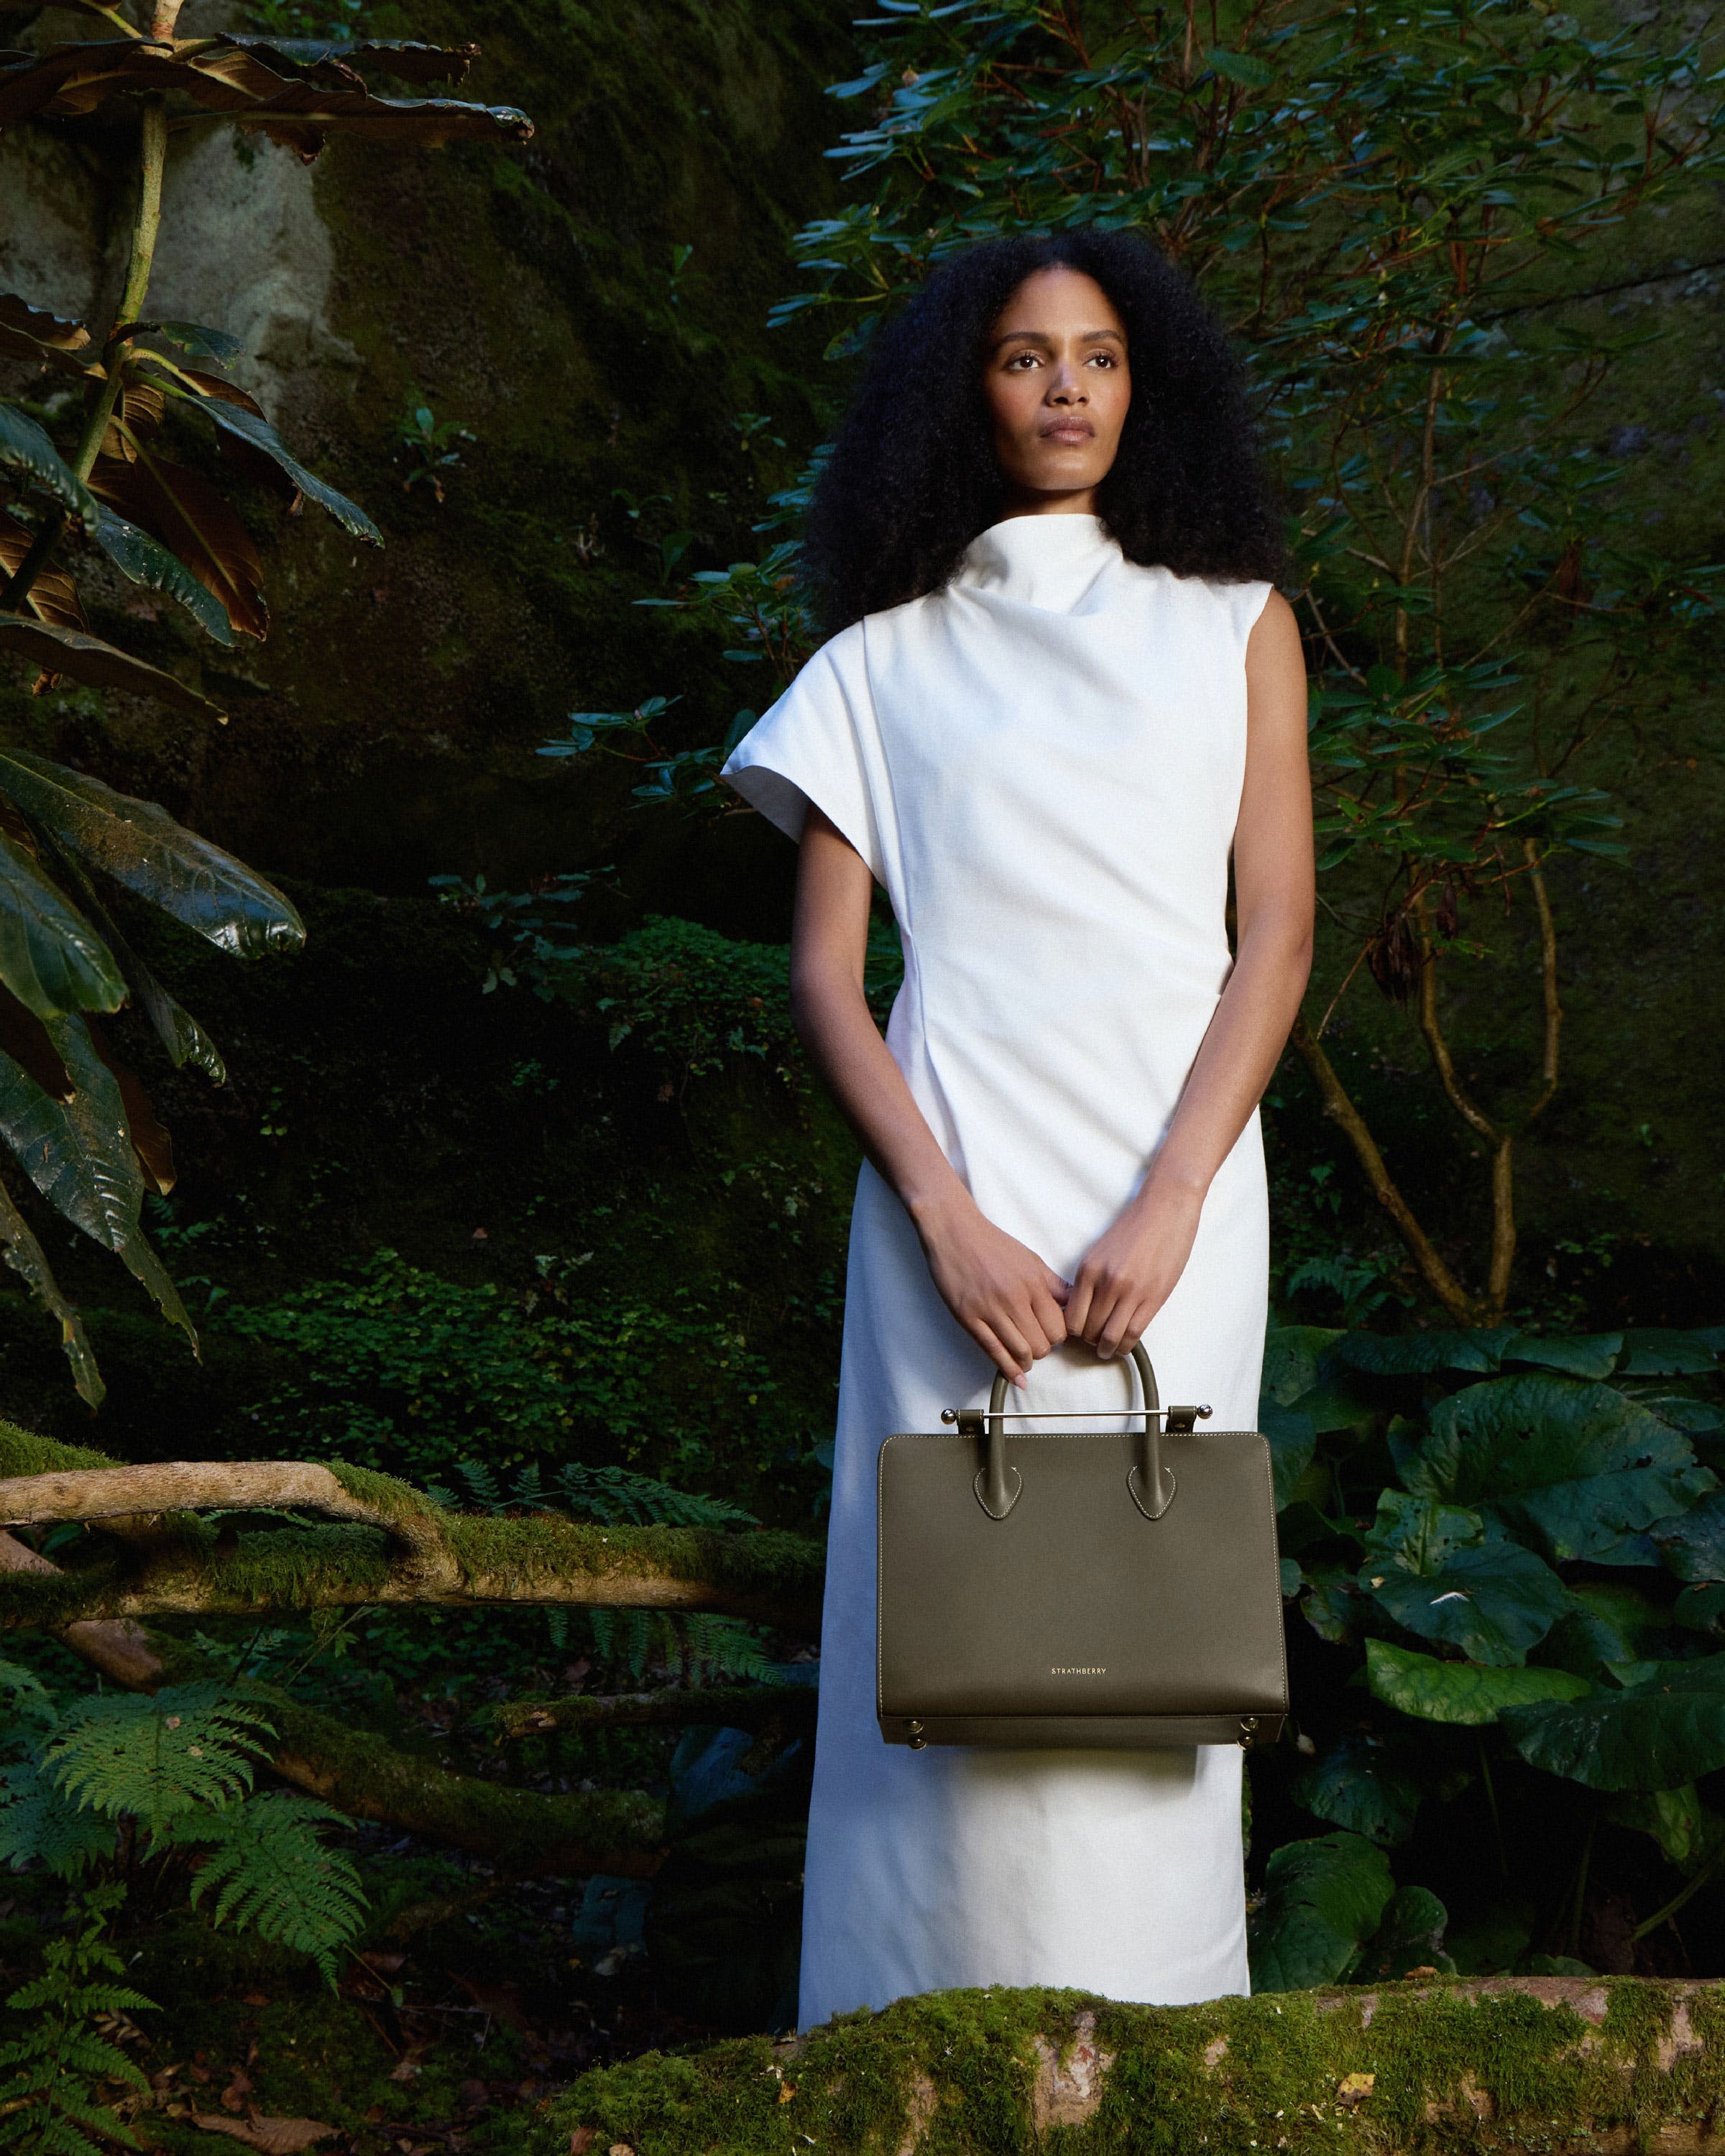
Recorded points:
(1248, 1731)
(997, 1486)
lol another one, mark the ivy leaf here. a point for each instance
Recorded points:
(1657, 1734)
(1368, 1785)
(1323, 1900)
(1466, 1693)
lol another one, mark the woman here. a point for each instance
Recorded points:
(1062, 693)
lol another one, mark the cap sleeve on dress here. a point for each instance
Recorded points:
(814, 745)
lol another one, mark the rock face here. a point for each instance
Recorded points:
(531, 295)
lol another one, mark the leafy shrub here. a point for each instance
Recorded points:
(402, 1370)
(1535, 1597)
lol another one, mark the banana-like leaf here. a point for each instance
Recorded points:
(28, 332)
(250, 426)
(141, 847)
(329, 59)
(302, 118)
(54, 596)
(189, 518)
(147, 561)
(24, 1255)
(79, 1155)
(51, 959)
(184, 1039)
(27, 448)
(149, 1140)
(101, 666)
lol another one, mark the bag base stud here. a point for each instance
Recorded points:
(919, 1742)
(1248, 1731)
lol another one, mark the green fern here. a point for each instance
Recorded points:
(51, 2104)
(696, 1647)
(40, 1825)
(272, 1873)
(158, 1757)
(614, 1496)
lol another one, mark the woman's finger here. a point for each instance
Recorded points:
(1057, 1287)
(1050, 1317)
(996, 1350)
(1078, 1306)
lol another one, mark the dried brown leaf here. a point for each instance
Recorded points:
(270, 2136)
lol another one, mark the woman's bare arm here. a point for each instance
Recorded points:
(1003, 1294)
(1131, 1271)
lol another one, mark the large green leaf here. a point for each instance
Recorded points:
(141, 847)
(1607, 1623)
(1466, 1693)
(147, 561)
(1657, 1734)
(1438, 1571)
(99, 665)
(79, 1155)
(27, 449)
(1290, 1360)
(1291, 1440)
(50, 957)
(1655, 1352)
(1576, 1354)
(1409, 1937)
(184, 1039)
(1369, 1785)
(1514, 1437)
(1684, 1827)
(1418, 1354)
(1323, 1900)
(1605, 1517)
(1694, 1547)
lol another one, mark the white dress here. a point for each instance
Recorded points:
(1042, 765)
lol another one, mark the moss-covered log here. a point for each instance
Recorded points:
(522, 1831)
(152, 1556)
(1608, 2066)
(733, 1707)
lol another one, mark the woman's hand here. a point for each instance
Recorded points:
(1128, 1273)
(1003, 1296)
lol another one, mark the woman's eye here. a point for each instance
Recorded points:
(1023, 361)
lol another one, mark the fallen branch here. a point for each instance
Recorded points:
(153, 1556)
(732, 1707)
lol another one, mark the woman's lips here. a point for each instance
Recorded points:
(1069, 430)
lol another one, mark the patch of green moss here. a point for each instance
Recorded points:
(22, 1452)
(1416, 2070)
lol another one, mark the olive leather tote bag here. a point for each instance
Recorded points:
(1078, 1587)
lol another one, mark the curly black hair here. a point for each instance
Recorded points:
(912, 479)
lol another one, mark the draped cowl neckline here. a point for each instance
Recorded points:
(1053, 562)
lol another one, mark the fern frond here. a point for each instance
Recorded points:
(724, 1647)
(272, 1872)
(157, 1757)
(25, 1694)
(616, 1497)
(39, 1824)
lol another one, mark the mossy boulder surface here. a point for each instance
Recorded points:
(1549, 2063)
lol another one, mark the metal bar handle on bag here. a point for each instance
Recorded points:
(997, 1486)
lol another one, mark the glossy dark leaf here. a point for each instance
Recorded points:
(1368, 1785)
(1655, 1352)
(303, 118)
(1658, 1734)
(1437, 1572)
(1323, 1900)
(51, 958)
(1606, 1519)
(1467, 1693)
(24, 1255)
(1292, 1442)
(196, 338)
(1417, 1354)
(326, 58)
(24, 1038)
(141, 847)
(184, 1039)
(1290, 1360)
(26, 450)
(52, 596)
(28, 332)
(79, 1156)
(234, 419)
(192, 521)
(149, 1140)
(100, 665)
(148, 562)
(1577, 1355)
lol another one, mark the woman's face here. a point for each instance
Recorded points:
(1058, 385)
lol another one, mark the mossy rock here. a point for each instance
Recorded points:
(1549, 2063)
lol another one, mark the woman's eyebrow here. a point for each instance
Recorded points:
(1042, 337)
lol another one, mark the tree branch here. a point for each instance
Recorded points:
(1339, 1107)
(732, 1707)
